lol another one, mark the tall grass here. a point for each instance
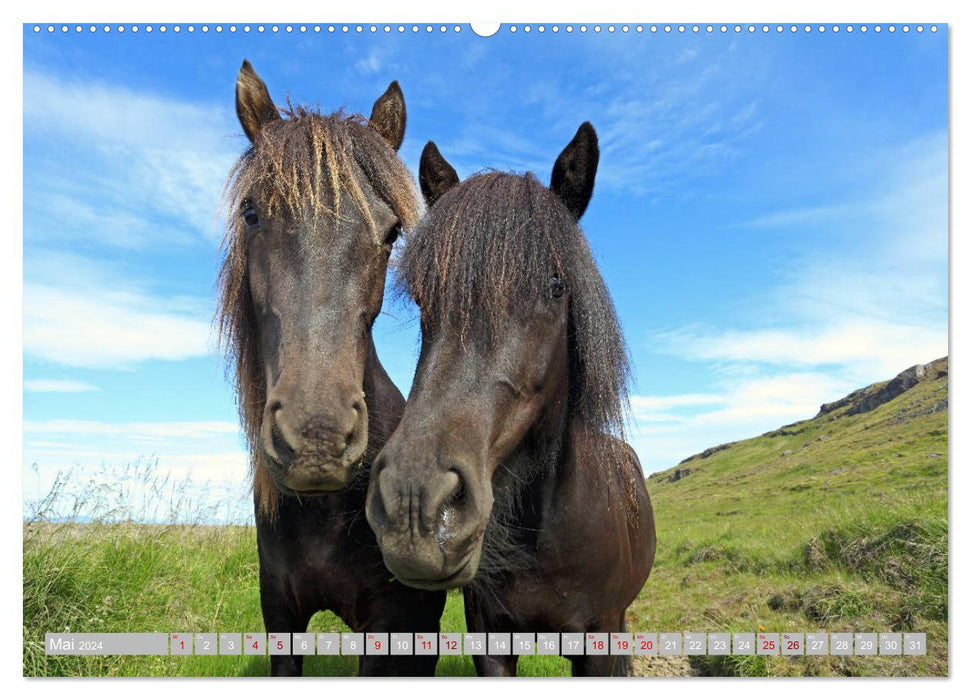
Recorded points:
(140, 556)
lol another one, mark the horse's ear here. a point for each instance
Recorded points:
(576, 169)
(388, 115)
(435, 175)
(253, 104)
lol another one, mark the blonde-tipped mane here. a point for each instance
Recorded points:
(308, 166)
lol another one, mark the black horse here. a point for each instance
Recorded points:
(508, 473)
(315, 206)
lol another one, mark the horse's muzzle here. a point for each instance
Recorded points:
(320, 456)
(428, 523)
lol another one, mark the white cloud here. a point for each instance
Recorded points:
(194, 471)
(101, 328)
(152, 166)
(843, 316)
(67, 386)
(151, 431)
(683, 127)
(745, 408)
(795, 217)
(683, 122)
(193, 488)
(368, 65)
(862, 347)
(646, 403)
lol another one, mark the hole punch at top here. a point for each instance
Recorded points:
(485, 28)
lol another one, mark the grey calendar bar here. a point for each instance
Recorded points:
(106, 644)
(785, 644)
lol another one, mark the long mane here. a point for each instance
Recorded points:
(487, 249)
(309, 166)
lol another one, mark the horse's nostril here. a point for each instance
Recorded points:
(355, 433)
(377, 514)
(457, 498)
(282, 449)
(385, 504)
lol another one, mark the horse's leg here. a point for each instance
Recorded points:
(624, 665)
(278, 616)
(397, 665)
(477, 619)
(402, 609)
(495, 665)
(607, 665)
(593, 665)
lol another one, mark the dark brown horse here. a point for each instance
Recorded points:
(315, 206)
(507, 474)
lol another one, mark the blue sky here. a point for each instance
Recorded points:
(770, 216)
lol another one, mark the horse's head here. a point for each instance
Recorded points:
(316, 205)
(506, 287)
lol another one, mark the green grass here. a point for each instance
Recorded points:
(834, 524)
(146, 578)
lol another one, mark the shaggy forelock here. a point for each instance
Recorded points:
(487, 249)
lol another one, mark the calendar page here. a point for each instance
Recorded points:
(514, 349)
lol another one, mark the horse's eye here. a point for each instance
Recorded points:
(392, 235)
(250, 217)
(557, 287)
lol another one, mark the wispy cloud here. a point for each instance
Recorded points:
(369, 64)
(681, 121)
(121, 167)
(661, 402)
(67, 386)
(795, 217)
(85, 312)
(103, 328)
(744, 408)
(191, 488)
(850, 314)
(862, 347)
(135, 430)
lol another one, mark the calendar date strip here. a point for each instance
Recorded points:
(789, 644)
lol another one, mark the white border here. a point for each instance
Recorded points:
(603, 11)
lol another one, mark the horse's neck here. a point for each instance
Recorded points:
(384, 402)
(539, 467)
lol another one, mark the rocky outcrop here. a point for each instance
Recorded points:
(869, 398)
(708, 453)
(679, 474)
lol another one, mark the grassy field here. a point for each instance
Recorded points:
(144, 578)
(834, 524)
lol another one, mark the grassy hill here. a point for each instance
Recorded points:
(838, 523)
